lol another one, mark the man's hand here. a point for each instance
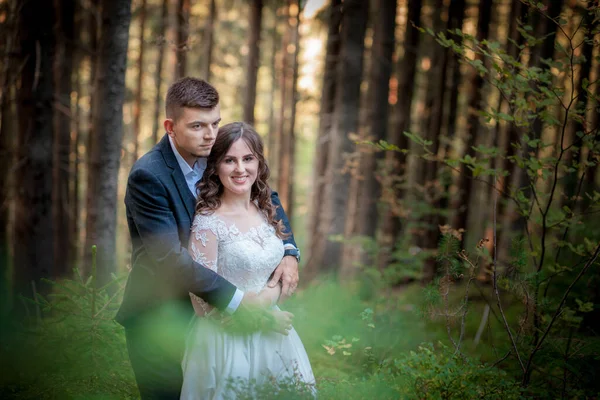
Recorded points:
(287, 272)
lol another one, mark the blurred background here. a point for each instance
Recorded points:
(435, 156)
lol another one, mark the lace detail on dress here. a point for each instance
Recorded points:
(201, 258)
(246, 259)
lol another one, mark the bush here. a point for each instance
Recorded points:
(76, 350)
(442, 374)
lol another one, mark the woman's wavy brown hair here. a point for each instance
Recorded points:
(210, 187)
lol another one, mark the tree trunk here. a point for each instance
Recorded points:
(512, 222)
(283, 139)
(591, 173)
(434, 98)
(395, 161)
(289, 187)
(345, 123)
(456, 17)
(94, 33)
(34, 250)
(90, 206)
(475, 85)
(429, 178)
(108, 119)
(518, 12)
(157, 126)
(317, 230)
(256, 7)
(381, 70)
(76, 143)
(507, 133)
(183, 18)
(7, 117)
(62, 138)
(271, 143)
(572, 185)
(137, 107)
(6, 183)
(368, 184)
(208, 39)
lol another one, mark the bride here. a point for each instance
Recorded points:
(234, 233)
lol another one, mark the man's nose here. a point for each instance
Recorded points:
(211, 132)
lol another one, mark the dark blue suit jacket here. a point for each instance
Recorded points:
(160, 211)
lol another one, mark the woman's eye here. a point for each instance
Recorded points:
(248, 159)
(228, 161)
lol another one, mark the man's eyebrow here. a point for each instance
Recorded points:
(203, 122)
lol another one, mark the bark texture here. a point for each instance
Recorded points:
(317, 230)
(62, 136)
(400, 122)
(256, 7)
(34, 248)
(108, 124)
(345, 123)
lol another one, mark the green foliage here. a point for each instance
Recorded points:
(377, 367)
(438, 373)
(76, 350)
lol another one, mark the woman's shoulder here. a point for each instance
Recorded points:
(206, 221)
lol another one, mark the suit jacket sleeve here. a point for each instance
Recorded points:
(148, 203)
(280, 215)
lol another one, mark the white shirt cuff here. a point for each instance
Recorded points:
(235, 302)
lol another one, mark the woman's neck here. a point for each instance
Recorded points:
(235, 202)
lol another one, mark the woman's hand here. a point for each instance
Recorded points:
(282, 322)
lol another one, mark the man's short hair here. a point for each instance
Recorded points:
(190, 92)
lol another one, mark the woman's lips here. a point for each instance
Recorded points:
(239, 179)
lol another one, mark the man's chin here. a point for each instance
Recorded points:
(203, 154)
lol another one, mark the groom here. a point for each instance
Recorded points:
(160, 202)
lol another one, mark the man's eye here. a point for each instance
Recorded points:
(215, 124)
(196, 126)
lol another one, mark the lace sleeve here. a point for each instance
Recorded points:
(203, 247)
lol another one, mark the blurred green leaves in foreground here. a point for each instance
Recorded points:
(359, 349)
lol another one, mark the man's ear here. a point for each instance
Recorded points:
(169, 124)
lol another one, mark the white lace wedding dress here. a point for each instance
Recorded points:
(214, 357)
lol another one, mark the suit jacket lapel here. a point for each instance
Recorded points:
(186, 196)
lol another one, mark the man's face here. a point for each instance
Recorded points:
(194, 132)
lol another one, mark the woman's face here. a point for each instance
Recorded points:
(239, 168)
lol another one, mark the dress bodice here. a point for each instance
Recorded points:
(246, 259)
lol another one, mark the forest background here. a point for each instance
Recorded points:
(438, 160)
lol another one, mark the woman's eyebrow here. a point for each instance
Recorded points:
(247, 155)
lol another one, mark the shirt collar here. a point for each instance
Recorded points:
(199, 165)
